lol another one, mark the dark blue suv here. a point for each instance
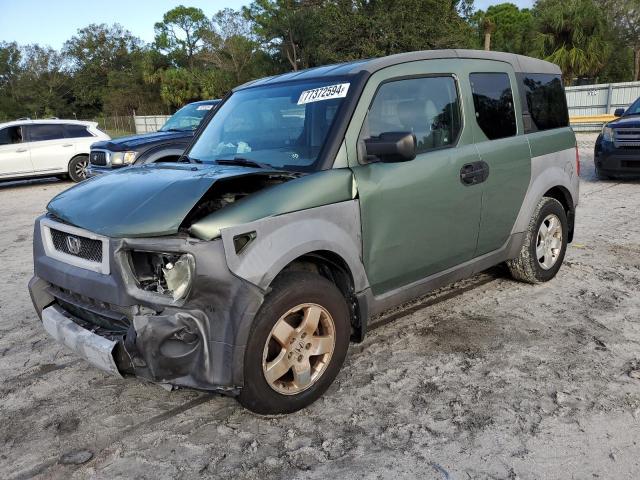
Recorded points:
(165, 145)
(617, 151)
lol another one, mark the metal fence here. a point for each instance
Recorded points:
(149, 123)
(592, 105)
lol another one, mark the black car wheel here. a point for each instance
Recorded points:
(78, 168)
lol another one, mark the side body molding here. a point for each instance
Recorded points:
(281, 239)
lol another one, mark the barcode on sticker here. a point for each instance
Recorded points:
(324, 93)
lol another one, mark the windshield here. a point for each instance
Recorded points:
(634, 109)
(280, 126)
(187, 118)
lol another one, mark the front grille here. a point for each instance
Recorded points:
(77, 246)
(98, 158)
(101, 318)
(627, 137)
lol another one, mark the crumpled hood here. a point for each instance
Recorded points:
(150, 200)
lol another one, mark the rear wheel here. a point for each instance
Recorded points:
(297, 344)
(78, 168)
(545, 245)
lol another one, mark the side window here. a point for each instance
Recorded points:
(45, 131)
(10, 135)
(493, 103)
(76, 131)
(544, 100)
(428, 106)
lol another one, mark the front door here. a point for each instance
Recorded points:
(418, 217)
(15, 158)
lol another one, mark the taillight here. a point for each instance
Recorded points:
(577, 161)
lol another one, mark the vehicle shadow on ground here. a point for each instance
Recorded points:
(15, 184)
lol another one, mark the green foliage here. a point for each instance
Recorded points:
(573, 35)
(511, 28)
(106, 70)
(180, 34)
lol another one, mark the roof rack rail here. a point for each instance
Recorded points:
(23, 118)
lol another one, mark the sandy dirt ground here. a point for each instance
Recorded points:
(487, 379)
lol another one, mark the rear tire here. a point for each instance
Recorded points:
(297, 344)
(78, 168)
(545, 244)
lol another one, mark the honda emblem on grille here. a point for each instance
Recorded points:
(73, 244)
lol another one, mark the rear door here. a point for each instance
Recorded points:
(50, 150)
(15, 158)
(418, 217)
(502, 145)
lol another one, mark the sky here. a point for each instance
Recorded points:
(52, 22)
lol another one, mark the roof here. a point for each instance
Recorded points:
(520, 63)
(49, 120)
(206, 102)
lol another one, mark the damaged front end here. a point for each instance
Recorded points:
(131, 273)
(169, 310)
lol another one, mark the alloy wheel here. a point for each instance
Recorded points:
(299, 348)
(549, 242)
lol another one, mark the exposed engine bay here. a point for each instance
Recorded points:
(230, 190)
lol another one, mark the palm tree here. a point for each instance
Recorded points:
(572, 34)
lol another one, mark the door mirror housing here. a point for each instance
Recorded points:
(618, 112)
(392, 146)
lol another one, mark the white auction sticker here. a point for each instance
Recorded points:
(324, 93)
(204, 107)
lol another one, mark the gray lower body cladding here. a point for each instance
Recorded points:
(198, 343)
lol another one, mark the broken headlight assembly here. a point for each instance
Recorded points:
(167, 274)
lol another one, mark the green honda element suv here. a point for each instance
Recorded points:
(310, 202)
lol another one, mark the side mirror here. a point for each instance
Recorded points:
(618, 112)
(392, 146)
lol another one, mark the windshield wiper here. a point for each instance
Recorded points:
(245, 162)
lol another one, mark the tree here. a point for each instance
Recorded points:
(95, 53)
(624, 15)
(181, 33)
(509, 29)
(10, 70)
(573, 35)
(231, 45)
(284, 26)
(44, 83)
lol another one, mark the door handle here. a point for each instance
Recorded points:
(21, 150)
(474, 173)
(68, 145)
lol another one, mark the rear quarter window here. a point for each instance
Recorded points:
(544, 101)
(493, 103)
(76, 131)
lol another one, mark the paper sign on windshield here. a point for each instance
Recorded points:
(204, 107)
(324, 93)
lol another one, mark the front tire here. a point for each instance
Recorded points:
(545, 244)
(297, 344)
(78, 168)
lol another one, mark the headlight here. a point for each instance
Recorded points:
(607, 134)
(168, 274)
(123, 158)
